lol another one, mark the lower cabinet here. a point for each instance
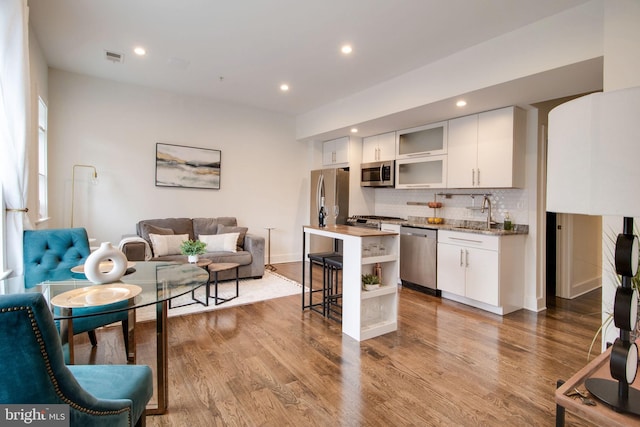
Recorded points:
(481, 270)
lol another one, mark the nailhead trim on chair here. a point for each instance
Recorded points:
(54, 381)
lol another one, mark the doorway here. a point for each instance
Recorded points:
(551, 254)
(573, 255)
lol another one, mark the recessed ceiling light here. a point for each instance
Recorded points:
(461, 103)
(354, 130)
(140, 51)
(284, 87)
(346, 49)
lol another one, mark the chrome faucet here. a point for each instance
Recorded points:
(486, 203)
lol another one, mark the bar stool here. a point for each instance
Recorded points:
(318, 259)
(333, 293)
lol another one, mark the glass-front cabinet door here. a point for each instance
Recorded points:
(423, 172)
(428, 140)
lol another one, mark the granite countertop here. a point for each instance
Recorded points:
(476, 227)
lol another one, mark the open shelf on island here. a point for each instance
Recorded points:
(379, 328)
(382, 290)
(378, 258)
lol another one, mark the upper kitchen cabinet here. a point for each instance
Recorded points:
(426, 140)
(379, 148)
(336, 152)
(422, 172)
(486, 150)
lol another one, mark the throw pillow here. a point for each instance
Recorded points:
(242, 231)
(205, 226)
(167, 244)
(148, 229)
(157, 230)
(220, 242)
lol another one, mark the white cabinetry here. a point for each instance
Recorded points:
(394, 228)
(422, 172)
(366, 314)
(421, 160)
(379, 307)
(425, 140)
(482, 270)
(463, 152)
(486, 150)
(336, 152)
(379, 147)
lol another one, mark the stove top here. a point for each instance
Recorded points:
(372, 221)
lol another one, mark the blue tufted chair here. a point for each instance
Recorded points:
(33, 370)
(50, 255)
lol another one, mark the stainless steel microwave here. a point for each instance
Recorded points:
(378, 174)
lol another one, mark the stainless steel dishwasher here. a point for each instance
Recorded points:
(418, 248)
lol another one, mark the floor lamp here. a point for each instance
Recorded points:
(592, 169)
(94, 177)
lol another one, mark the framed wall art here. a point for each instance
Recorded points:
(187, 167)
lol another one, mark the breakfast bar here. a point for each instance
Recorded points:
(365, 314)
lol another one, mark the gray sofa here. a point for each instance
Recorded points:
(249, 252)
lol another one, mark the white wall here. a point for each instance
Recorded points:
(562, 39)
(621, 70)
(115, 127)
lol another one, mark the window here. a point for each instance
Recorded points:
(43, 204)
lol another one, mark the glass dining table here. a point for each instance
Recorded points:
(145, 284)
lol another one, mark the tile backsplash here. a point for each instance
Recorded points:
(393, 202)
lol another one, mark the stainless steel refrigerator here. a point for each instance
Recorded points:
(333, 186)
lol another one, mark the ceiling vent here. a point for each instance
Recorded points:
(113, 56)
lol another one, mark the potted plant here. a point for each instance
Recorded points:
(193, 248)
(370, 282)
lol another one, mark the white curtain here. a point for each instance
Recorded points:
(14, 124)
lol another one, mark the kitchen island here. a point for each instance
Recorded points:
(365, 314)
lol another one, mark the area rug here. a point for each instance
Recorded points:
(271, 285)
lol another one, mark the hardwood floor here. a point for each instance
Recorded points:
(448, 364)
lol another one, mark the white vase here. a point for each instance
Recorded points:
(193, 258)
(105, 252)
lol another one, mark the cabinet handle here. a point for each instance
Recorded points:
(465, 240)
(473, 177)
(333, 156)
(466, 258)
(461, 255)
(478, 177)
